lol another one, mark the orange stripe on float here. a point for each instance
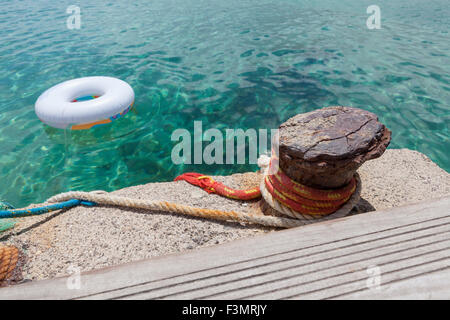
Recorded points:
(90, 125)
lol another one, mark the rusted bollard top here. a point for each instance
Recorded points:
(324, 148)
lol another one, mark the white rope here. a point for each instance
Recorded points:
(108, 199)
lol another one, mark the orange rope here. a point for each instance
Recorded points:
(208, 184)
(294, 195)
(8, 261)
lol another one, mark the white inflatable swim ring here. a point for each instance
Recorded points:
(84, 103)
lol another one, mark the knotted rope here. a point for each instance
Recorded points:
(349, 197)
(287, 197)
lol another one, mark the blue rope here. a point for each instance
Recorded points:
(16, 213)
(5, 205)
(6, 224)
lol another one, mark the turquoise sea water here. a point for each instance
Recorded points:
(231, 64)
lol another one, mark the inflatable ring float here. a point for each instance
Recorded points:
(84, 103)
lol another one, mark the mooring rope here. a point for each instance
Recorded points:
(264, 162)
(111, 200)
(309, 218)
(17, 213)
(9, 256)
(293, 218)
(280, 191)
(6, 224)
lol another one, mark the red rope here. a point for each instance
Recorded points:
(298, 197)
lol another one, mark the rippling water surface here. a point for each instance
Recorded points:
(231, 64)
